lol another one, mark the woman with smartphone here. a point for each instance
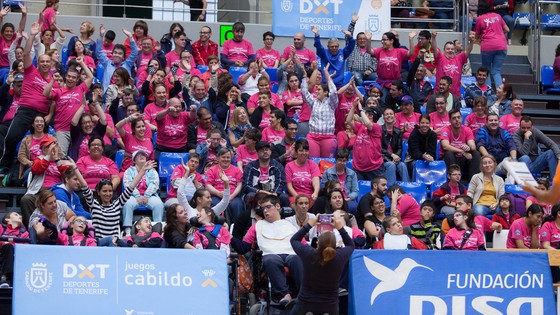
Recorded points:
(322, 268)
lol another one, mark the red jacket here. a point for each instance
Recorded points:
(501, 218)
(416, 244)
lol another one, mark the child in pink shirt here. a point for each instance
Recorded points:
(525, 232)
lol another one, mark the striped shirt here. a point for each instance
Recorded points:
(106, 219)
(322, 112)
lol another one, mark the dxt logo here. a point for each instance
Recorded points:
(307, 6)
(71, 271)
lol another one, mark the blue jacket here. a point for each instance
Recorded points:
(337, 61)
(109, 66)
(350, 183)
(70, 199)
(499, 145)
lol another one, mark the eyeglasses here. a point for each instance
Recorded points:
(267, 207)
(106, 181)
(80, 221)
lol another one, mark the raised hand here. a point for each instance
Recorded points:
(368, 35)
(102, 30)
(22, 8)
(411, 35)
(215, 68)
(355, 17)
(127, 33)
(149, 165)
(80, 60)
(347, 33)
(56, 76)
(223, 176)
(315, 30)
(4, 11)
(34, 29)
(223, 142)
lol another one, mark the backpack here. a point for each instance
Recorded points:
(518, 203)
(324, 165)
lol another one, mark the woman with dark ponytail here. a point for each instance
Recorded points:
(322, 269)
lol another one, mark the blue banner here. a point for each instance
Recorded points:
(128, 281)
(452, 282)
(330, 17)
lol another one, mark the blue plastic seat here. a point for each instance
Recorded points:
(362, 90)
(514, 189)
(64, 59)
(167, 163)
(466, 81)
(347, 76)
(274, 88)
(119, 157)
(550, 21)
(202, 68)
(521, 23)
(430, 173)
(236, 72)
(404, 149)
(272, 74)
(100, 71)
(547, 79)
(466, 111)
(418, 191)
(364, 187)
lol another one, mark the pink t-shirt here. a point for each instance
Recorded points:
(490, 27)
(439, 122)
(510, 123)
(483, 224)
(301, 177)
(519, 231)
(305, 55)
(52, 175)
(131, 144)
(409, 210)
(35, 148)
(474, 122)
(465, 134)
(94, 171)
(546, 206)
(305, 114)
(454, 238)
(110, 124)
(245, 156)
(49, 18)
(275, 101)
(172, 131)
(237, 51)
(142, 74)
(550, 233)
(201, 134)
(90, 63)
(271, 135)
(292, 96)
(108, 50)
(67, 104)
(410, 121)
(452, 67)
(151, 111)
(4, 50)
(389, 63)
(178, 173)
(265, 121)
(367, 148)
(232, 172)
(268, 57)
(32, 91)
(340, 113)
(13, 108)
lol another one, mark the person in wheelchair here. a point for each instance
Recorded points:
(272, 235)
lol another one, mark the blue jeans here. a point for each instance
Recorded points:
(274, 266)
(493, 60)
(360, 77)
(391, 170)
(154, 203)
(542, 162)
(510, 22)
(106, 241)
(481, 210)
(556, 84)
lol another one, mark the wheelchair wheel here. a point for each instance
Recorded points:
(258, 309)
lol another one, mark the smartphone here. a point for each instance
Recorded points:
(174, 69)
(324, 222)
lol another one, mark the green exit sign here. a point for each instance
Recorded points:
(226, 32)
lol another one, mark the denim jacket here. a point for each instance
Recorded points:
(350, 183)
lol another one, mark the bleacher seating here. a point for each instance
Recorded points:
(167, 163)
(550, 22)
(272, 74)
(119, 157)
(514, 189)
(202, 68)
(418, 191)
(433, 173)
(236, 72)
(364, 187)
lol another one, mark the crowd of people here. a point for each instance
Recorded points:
(249, 143)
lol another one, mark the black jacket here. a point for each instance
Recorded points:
(395, 140)
(191, 133)
(418, 144)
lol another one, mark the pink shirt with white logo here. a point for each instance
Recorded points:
(13, 109)
(410, 121)
(452, 67)
(132, 144)
(269, 134)
(265, 121)
(268, 57)
(233, 173)
(520, 231)
(49, 18)
(367, 154)
(305, 55)
(35, 147)
(510, 123)
(439, 122)
(32, 91)
(275, 101)
(237, 51)
(550, 233)
(301, 177)
(340, 113)
(4, 50)
(490, 27)
(474, 122)
(201, 134)
(172, 131)
(292, 96)
(68, 101)
(245, 156)
(94, 171)
(52, 175)
(409, 210)
(465, 134)
(151, 111)
(389, 63)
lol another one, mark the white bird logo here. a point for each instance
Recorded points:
(391, 280)
(128, 312)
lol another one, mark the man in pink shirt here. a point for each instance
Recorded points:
(172, 123)
(174, 56)
(510, 122)
(450, 63)
(32, 101)
(237, 51)
(458, 145)
(204, 47)
(440, 118)
(305, 55)
(407, 118)
(67, 101)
